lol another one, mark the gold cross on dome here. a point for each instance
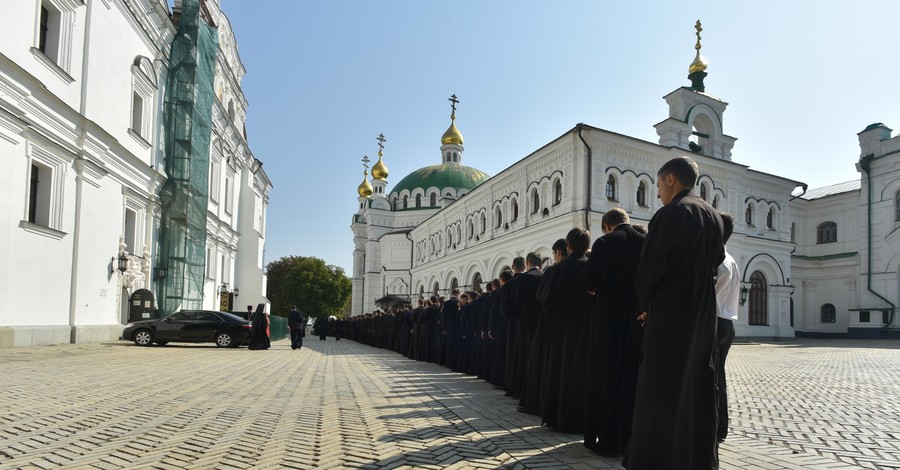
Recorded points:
(365, 160)
(453, 100)
(381, 140)
(699, 28)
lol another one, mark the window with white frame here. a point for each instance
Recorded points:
(748, 215)
(257, 213)
(43, 202)
(229, 190)
(557, 193)
(210, 264)
(224, 267)
(214, 176)
(129, 231)
(611, 188)
(143, 89)
(770, 218)
(55, 24)
(642, 194)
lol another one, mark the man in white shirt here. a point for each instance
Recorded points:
(728, 286)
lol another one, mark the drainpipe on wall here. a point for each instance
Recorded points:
(588, 178)
(865, 163)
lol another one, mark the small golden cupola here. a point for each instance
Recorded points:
(697, 69)
(452, 136)
(365, 188)
(380, 170)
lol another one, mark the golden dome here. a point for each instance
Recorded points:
(380, 170)
(365, 188)
(698, 65)
(452, 136)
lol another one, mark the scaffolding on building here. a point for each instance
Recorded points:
(188, 128)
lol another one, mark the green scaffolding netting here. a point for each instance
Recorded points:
(188, 126)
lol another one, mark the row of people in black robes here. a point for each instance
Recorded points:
(615, 341)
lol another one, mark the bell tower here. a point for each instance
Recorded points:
(695, 117)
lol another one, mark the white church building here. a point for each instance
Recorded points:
(82, 132)
(448, 225)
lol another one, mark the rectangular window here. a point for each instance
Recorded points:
(42, 40)
(228, 194)
(129, 231)
(39, 197)
(224, 268)
(137, 113)
(210, 264)
(864, 316)
(214, 180)
(50, 31)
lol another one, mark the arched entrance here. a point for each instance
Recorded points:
(476, 282)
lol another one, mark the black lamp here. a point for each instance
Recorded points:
(123, 263)
(236, 291)
(223, 288)
(744, 291)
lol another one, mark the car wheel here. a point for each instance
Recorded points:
(143, 337)
(224, 339)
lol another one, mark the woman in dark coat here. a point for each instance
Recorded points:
(259, 337)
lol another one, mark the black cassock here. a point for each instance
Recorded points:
(526, 303)
(259, 338)
(614, 339)
(539, 356)
(566, 301)
(497, 329)
(511, 315)
(674, 422)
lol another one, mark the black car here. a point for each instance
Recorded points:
(190, 326)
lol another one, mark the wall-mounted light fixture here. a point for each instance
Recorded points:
(120, 263)
(744, 292)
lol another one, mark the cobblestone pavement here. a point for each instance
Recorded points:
(807, 404)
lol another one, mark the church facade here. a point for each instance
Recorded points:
(82, 131)
(447, 225)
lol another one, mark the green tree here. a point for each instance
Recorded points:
(316, 288)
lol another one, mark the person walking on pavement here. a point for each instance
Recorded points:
(297, 325)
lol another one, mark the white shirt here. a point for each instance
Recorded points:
(728, 288)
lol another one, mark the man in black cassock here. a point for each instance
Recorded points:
(524, 298)
(450, 325)
(497, 332)
(614, 335)
(566, 300)
(297, 325)
(511, 313)
(674, 422)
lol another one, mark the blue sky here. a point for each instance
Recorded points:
(325, 78)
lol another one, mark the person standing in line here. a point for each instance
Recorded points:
(498, 331)
(511, 315)
(297, 325)
(613, 335)
(674, 423)
(525, 301)
(451, 330)
(728, 291)
(567, 301)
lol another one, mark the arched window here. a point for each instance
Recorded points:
(557, 192)
(826, 233)
(498, 217)
(897, 206)
(642, 194)
(829, 314)
(405, 202)
(436, 289)
(476, 282)
(433, 199)
(418, 200)
(454, 284)
(535, 201)
(748, 215)
(483, 223)
(231, 110)
(715, 202)
(611, 188)
(449, 238)
(471, 229)
(770, 218)
(515, 210)
(793, 232)
(759, 299)
(703, 191)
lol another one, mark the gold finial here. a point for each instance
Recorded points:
(699, 63)
(380, 171)
(452, 136)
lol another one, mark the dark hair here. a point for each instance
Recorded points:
(578, 239)
(518, 262)
(560, 246)
(639, 229)
(614, 217)
(455, 292)
(683, 168)
(728, 226)
(506, 275)
(533, 259)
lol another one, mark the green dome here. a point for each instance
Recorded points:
(446, 175)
